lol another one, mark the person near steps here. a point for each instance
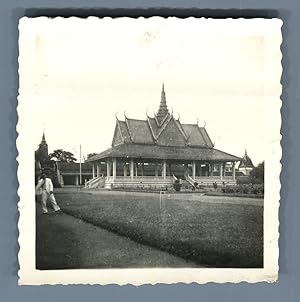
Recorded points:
(45, 188)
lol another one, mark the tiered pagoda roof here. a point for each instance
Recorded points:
(246, 161)
(162, 137)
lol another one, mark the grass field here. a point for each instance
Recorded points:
(205, 229)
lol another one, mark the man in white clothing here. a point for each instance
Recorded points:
(45, 188)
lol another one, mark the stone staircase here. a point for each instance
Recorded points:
(142, 182)
(96, 182)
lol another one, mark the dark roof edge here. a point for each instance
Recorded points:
(237, 157)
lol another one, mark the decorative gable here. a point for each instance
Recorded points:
(171, 135)
(117, 139)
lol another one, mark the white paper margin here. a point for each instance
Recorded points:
(28, 275)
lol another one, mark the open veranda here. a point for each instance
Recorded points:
(205, 231)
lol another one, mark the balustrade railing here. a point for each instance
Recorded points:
(93, 182)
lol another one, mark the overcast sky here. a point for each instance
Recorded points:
(78, 74)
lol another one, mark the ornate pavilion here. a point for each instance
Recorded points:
(158, 150)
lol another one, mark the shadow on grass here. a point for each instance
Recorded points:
(56, 246)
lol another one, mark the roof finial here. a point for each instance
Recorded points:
(43, 137)
(116, 116)
(163, 109)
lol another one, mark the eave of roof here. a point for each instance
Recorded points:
(164, 152)
(64, 167)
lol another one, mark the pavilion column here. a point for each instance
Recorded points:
(136, 169)
(93, 170)
(200, 169)
(142, 169)
(108, 168)
(221, 170)
(131, 163)
(76, 180)
(164, 169)
(233, 170)
(194, 169)
(98, 169)
(125, 169)
(114, 168)
(185, 169)
(211, 169)
(156, 170)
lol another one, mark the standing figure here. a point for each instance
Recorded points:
(45, 188)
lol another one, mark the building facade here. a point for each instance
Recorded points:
(69, 173)
(158, 150)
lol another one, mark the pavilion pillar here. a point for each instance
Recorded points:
(156, 170)
(164, 169)
(93, 170)
(185, 169)
(142, 169)
(125, 169)
(98, 169)
(131, 163)
(211, 169)
(200, 169)
(233, 170)
(76, 180)
(221, 171)
(194, 169)
(136, 169)
(114, 168)
(108, 168)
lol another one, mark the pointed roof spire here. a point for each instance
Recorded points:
(43, 137)
(163, 109)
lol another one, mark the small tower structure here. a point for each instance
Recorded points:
(246, 165)
(41, 153)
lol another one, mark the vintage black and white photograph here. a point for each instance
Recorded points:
(149, 150)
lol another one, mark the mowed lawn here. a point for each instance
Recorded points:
(204, 229)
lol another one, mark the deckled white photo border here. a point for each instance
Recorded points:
(28, 275)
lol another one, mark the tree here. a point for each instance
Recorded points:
(62, 156)
(257, 174)
(90, 155)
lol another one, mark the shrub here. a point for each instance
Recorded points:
(244, 189)
(257, 174)
(243, 180)
(177, 185)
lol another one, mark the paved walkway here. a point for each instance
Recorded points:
(63, 241)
